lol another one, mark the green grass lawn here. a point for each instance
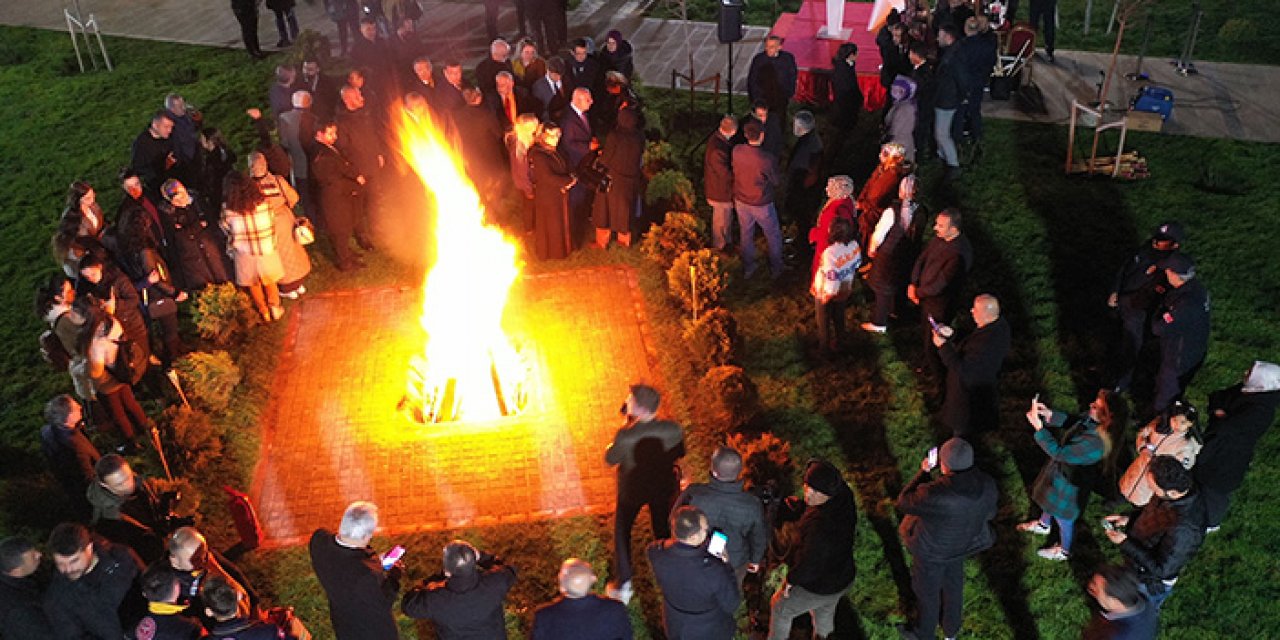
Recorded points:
(1229, 31)
(1046, 245)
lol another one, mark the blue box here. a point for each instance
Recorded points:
(1154, 99)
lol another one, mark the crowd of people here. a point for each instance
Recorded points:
(529, 129)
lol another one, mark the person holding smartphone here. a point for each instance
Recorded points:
(731, 510)
(946, 517)
(699, 592)
(360, 592)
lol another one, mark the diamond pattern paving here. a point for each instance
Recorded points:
(332, 433)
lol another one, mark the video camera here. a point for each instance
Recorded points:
(593, 174)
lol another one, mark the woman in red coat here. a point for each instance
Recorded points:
(839, 205)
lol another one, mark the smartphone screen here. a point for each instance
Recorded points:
(933, 457)
(719, 540)
(392, 557)
(933, 324)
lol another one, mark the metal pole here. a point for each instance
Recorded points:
(1088, 15)
(1183, 64)
(730, 91)
(1111, 22)
(71, 30)
(1138, 73)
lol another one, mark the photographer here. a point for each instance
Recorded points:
(130, 510)
(465, 599)
(622, 159)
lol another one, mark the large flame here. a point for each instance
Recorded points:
(469, 368)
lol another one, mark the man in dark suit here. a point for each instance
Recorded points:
(699, 592)
(449, 93)
(717, 179)
(464, 600)
(424, 81)
(488, 69)
(579, 614)
(945, 520)
(359, 591)
(508, 100)
(937, 277)
(576, 141)
(584, 70)
(324, 92)
(481, 136)
(973, 367)
(339, 189)
(772, 76)
(550, 91)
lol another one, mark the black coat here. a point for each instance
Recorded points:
(699, 591)
(196, 247)
(737, 513)
(1162, 538)
(360, 140)
(464, 607)
(103, 602)
(717, 168)
(848, 95)
(623, 156)
(149, 157)
(950, 78)
(487, 72)
(821, 561)
(128, 309)
(892, 263)
(941, 269)
(360, 593)
(973, 366)
(169, 626)
(772, 79)
(334, 181)
(591, 617)
(71, 458)
(1231, 440)
(587, 73)
(943, 517)
(551, 176)
(1182, 324)
(21, 613)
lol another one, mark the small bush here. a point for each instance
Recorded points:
(208, 379)
(669, 190)
(222, 313)
(730, 398)
(659, 155)
(309, 45)
(767, 463)
(710, 279)
(1224, 174)
(714, 338)
(191, 441)
(678, 233)
(1238, 32)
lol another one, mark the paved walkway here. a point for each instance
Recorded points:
(1222, 101)
(332, 433)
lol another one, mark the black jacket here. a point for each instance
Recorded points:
(699, 591)
(950, 78)
(360, 593)
(941, 268)
(103, 602)
(168, 626)
(1231, 440)
(1162, 538)
(973, 366)
(821, 561)
(734, 511)
(943, 517)
(1182, 324)
(71, 458)
(334, 179)
(21, 613)
(464, 607)
(1140, 280)
(591, 617)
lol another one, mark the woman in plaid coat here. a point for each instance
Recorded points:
(1072, 448)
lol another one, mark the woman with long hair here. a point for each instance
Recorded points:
(106, 357)
(519, 140)
(552, 180)
(140, 259)
(82, 203)
(1073, 445)
(250, 229)
(1172, 433)
(281, 198)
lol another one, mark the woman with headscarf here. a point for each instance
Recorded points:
(616, 54)
(880, 190)
(891, 252)
(552, 179)
(839, 205)
(199, 256)
(623, 157)
(900, 121)
(1072, 446)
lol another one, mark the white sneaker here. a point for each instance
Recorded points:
(302, 288)
(1056, 553)
(292, 295)
(621, 594)
(1213, 529)
(1034, 526)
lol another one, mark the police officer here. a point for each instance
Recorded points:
(1182, 325)
(1135, 294)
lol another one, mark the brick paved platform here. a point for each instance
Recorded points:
(332, 434)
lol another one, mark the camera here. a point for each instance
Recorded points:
(593, 174)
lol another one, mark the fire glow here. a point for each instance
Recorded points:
(469, 369)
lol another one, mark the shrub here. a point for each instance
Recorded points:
(714, 338)
(1238, 32)
(767, 465)
(730, 398)
(710, 279)
(191, 441)
(1224, 174)
(678, 233)
(669, 190)
(659, 155)
(222, 312)
(208, 379)
(309, 45)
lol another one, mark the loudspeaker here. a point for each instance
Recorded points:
(730, 23)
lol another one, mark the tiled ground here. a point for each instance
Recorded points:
(332, 433)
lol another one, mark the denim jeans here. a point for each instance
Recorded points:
(942, 135)
(1066, 530)
(721, 223)
(766, 217)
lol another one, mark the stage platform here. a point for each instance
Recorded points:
(813, 56)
